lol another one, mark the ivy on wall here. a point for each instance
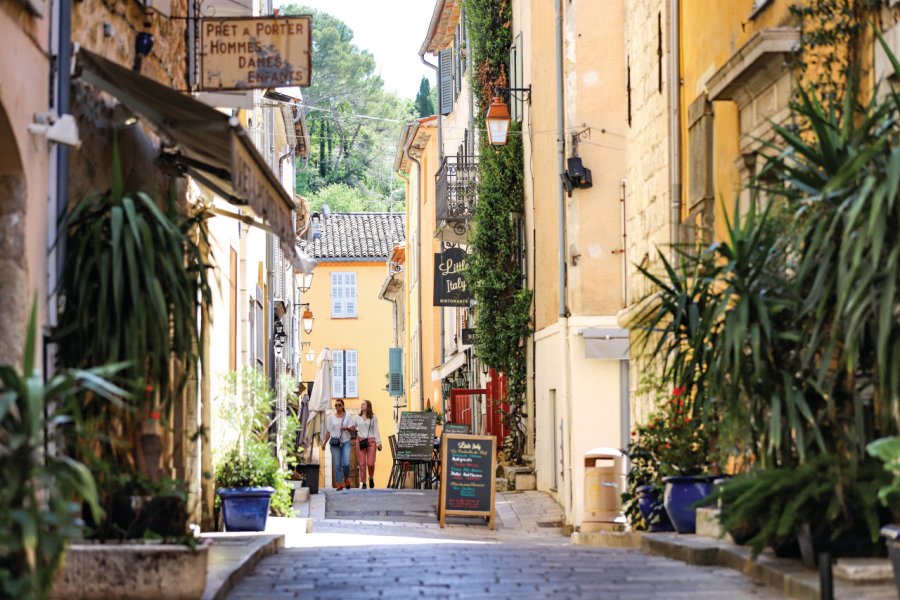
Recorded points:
(503, 304)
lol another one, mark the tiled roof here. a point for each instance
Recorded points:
(357, 235)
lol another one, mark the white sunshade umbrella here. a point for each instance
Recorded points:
(320, 398)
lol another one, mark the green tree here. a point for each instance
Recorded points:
(424, 104)
(340, 197)
(353, 122)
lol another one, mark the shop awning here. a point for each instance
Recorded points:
(605, 343)
(209, 145)
(453, 362)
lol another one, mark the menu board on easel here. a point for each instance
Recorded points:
(467, 476)
(415, 435)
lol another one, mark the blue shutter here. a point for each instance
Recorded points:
(395, 372)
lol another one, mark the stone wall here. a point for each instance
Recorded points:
(14, 294)
(648, 194)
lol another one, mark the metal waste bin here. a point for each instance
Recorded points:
(604, 483)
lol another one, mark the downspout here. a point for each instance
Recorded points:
(440, 117)
(675, 127)
(63, 97)
(419, 259)
(561, 241)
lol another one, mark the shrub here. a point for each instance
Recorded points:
(256, 466)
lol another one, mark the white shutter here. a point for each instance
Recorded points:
(337, 303)
(351, 373)
(337, 374)
(349, 294)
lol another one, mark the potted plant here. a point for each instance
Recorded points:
(250, 482)
(36, 498)
(887, 450)
(643, 498)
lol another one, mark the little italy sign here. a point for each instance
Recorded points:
(450, 287)
(244, 53)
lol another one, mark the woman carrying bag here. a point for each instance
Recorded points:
(337, 436)
(368, 439)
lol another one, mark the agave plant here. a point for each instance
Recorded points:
(42, 491)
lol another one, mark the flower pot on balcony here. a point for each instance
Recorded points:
(245, 508)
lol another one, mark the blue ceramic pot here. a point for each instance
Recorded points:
(680, 497)
(652, 509)
(245, 508)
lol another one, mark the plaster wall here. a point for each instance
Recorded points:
(24, 164)
(370, 333)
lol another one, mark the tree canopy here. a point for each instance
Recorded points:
(354, 123)
(424, 103)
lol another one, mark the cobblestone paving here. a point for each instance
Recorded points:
(525, 557)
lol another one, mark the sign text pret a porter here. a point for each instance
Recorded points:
(243, 53)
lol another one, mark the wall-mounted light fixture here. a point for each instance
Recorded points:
(143, 46)
(307, 317)
(309, 354)
(497, 117)
(305, 282)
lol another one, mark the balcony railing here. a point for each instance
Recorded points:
(456, 187)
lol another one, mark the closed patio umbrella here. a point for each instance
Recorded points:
(320, 399)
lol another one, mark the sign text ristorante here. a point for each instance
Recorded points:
(255, 52)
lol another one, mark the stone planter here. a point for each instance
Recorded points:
(132, 570)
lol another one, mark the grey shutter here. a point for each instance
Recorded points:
(446, 89)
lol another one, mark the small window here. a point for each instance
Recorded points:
(343, 295)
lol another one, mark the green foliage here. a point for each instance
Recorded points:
(346, 148)
(248, 407)
(887, 450)
(503, 302)
(133, 282)
(424, 103)
(42, 492)
(342, 198)
(255, 466)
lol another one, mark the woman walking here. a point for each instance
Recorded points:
(368, 439)
(337, 435)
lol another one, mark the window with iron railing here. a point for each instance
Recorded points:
(456, 187)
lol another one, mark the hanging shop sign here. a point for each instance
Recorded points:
(469, 336)
(245, 53)
(450, 287)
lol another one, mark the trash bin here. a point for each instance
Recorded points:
(604, 483)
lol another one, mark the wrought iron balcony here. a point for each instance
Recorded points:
(456, 188)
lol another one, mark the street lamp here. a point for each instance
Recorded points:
(305, 282)
(310, 354)
(307, 318)
(497, 117)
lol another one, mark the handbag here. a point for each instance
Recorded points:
(364, 441)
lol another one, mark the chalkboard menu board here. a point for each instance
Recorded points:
(456, 428)
(415, 436)
(468, 464)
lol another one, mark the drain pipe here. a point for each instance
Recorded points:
(62, 41)
(561, 242)
(418, 250)
(439, 119)
(675, 127)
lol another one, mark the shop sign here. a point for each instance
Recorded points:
(244, 53)
(450, 286)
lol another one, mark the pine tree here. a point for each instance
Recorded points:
(424, 103)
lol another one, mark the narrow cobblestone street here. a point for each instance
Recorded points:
(393, 548)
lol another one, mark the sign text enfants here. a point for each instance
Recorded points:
(243, 53)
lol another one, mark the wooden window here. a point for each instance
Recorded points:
(343, 295)
(698, 228)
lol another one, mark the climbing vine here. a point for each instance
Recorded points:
(832, 39)
(494, 274)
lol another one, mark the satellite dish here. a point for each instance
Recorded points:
(326, 211)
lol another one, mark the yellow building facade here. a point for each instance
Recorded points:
(350, 320)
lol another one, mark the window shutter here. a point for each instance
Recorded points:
(395, 372)
(349, 294)
(351, 374)
(337, 373)
(337, 304)
(446, 90)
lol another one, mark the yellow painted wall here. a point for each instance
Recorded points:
(711, 32)
(370, 333)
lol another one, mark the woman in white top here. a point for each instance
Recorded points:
(337, 435)
(367, 439)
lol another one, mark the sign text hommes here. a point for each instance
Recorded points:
(243, 53)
